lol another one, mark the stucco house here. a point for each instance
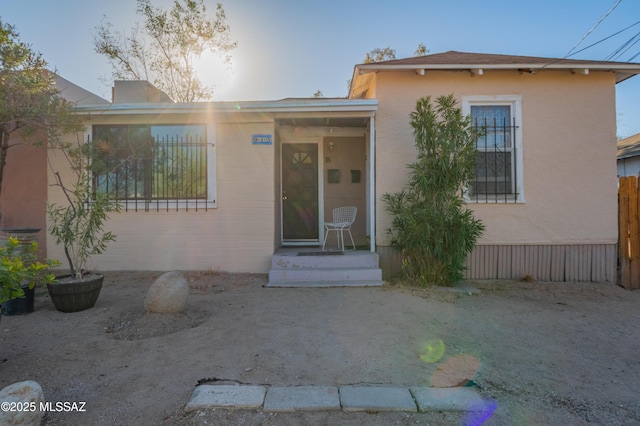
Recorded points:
(555, 215)
(629, 156)
(243, 186)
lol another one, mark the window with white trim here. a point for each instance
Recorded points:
(498, 173)
(154, 167)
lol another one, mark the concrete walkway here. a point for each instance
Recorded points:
(326, 398)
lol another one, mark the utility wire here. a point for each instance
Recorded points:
(593, 28)
(604, 39)
(627, 49)
(624, 48)
(586, 35)
(633, 57)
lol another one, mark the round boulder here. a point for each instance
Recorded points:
(15, 398)
(168, 295)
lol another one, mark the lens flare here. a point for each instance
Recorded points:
(432, 351)
(480, 415)
(457, 371)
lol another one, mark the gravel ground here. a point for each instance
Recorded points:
(540, 353)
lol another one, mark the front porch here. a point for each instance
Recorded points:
(311, 267)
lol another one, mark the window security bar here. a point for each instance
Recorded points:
(496, 174)
(159, 172)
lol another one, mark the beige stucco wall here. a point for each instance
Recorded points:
(348, 154)
(569, 148)
(238, 235)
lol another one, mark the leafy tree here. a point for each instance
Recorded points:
(78, 222)
(379, 55)
(431, 228)
(165, 50)
(29, 100)
(387, 54)
(421, 50)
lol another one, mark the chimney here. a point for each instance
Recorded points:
(137, 92)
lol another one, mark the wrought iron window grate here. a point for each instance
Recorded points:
(147, 169)
(496, 174)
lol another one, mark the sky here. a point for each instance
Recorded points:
(292, 48)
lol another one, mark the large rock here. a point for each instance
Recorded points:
(168, 295)
(21, 404)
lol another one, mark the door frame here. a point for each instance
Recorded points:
(317, 140)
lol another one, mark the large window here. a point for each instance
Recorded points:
(498, 171)
(154, 167)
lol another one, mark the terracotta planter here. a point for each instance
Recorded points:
(72, 295)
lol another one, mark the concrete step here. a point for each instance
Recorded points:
(355, 268)
(350, 260)
(324, 284)
(325, 274)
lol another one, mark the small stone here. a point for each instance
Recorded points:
(168, 295)
(19, 395)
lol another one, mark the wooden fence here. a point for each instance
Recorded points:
(629, 229)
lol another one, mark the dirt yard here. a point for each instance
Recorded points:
(547, 353)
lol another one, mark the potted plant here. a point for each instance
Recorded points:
(78, 225)
(19, 272)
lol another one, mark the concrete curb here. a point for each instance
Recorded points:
(376, 398)
(447, 399)
(302, 398)
(207, 396)
(332, 398)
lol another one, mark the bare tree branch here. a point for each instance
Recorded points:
(165, 48)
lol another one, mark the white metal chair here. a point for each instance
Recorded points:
(343, 218)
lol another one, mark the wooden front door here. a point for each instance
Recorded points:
(300, 192)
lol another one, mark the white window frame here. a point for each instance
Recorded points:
(515, 104)
(161, 205)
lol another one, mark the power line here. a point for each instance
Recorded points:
(586, 35)
(604, 39)
(593, 28)
(633, 57)
(624, 48)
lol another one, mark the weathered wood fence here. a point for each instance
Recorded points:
(629, 229)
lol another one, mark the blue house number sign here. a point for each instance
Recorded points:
(262, 139)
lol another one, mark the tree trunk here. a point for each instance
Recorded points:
(4, 147)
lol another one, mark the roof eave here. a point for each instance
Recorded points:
(311, 105)
(622, 72)
(630, 154)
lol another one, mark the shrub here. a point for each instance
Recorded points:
(78, 224)
(431, 228)
(19, 268)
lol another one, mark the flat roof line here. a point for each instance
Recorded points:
(337, 105)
